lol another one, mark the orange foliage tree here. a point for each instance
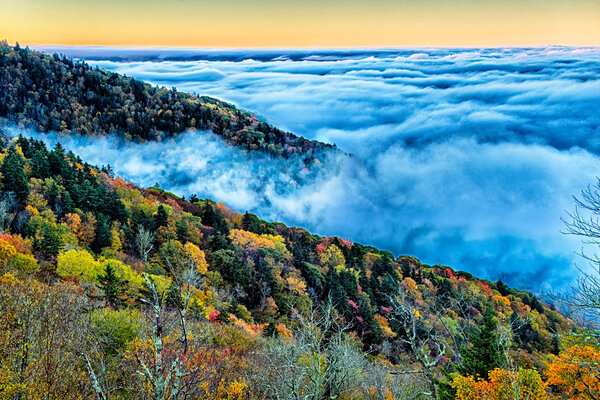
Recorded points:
(576, 372)
(525, 384)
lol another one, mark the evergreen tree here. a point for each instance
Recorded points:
(23, 143)
(484, 353)
(251, 223)
(502, 288)
(209, 216)
(67, 202)
(103, 234)
(49, 244)
(161, 218)
(40, 167)
(112, 287)
(182, 231)
(213, 218)
(56, 160)
(13, 176)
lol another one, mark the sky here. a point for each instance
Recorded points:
(462, 157)
(308, 23)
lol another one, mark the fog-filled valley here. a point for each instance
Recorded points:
(463, 157)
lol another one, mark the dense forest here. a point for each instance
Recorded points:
(55, 93)
(113, 291)
(108, 290)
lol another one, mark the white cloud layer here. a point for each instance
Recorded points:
(464, 157)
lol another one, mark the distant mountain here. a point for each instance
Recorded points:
(55, 93)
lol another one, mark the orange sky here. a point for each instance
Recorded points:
(284, 23)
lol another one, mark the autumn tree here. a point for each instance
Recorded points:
(574, 373)
(501, 384)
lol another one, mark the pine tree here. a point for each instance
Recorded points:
(112, 287)
(213, 218)
(162, 217)
(484, 353)
(67, 202)
(103, 234)
(56, 160)
(40, 167)
(251, 223)
(13, 176)
(49, 244)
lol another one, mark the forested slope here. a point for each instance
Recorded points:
(54, 93)
(109, 290)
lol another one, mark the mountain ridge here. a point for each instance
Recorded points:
(54, 93)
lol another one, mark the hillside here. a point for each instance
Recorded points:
(109, 290)
(54, 93)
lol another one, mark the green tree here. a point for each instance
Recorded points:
(112, 287)
(40, 167)
(13, 176)
(483, 355)
(103, 234)
(162, 217)
(251, 223)
(50, 243)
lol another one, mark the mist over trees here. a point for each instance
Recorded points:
(112, 291)
(158, 297)
(56, 93)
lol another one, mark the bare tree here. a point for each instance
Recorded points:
(7, 207)
(382, 382)
(144, 243)
(165, 379)
(319, 362)
(583, 299)
(425, 343)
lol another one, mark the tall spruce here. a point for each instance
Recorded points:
(483, 355)
(103, 234)
(13, 175)
(112, 287)
(161, 218)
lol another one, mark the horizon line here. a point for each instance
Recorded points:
(377, 47)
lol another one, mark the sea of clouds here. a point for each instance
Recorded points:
(464, 157)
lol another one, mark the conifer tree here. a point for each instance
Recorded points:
(251, 223)
(50, 243)
(13, 176)
(161, 218)
(103, 234)
(40, 167)
(483, 355)
(112, 287)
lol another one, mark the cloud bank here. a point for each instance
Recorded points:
(464, 157)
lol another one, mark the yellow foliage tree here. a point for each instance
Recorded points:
(197, 256)
(7, 250)
(249, 241)
(79, 264)
(332, 258)
(296, 284)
